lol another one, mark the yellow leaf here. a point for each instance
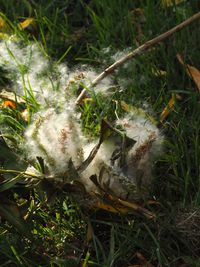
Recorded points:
(4, 27)
(26, 23)
(137, 207)
(6, 32)
(168, 3)
(192, 72)
(169, 106)
(2, 23)
(118, 205)
(167, 109)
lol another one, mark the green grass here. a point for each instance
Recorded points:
(76, 32)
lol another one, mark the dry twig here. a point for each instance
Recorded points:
(138, 51)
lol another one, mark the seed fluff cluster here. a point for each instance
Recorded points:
(55, 134)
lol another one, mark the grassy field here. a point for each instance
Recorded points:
(42, 224)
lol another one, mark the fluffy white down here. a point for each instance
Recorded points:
(139, 159)
(148, 147)
(29, 68)
(101, 159)
(57, 138)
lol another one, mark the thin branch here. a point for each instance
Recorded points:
(138, 51)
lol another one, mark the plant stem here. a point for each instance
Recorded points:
(21, 173)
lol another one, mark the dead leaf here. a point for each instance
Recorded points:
(153, 202)
(25, 115)
(193, 72)
(141, 257)
(169, 106)
(118, 205)
(143, 262)
(2, 23)
(89, 235)
(111, 208)
(158, 72)
(4, 27)
(167, 109)
(169, 3)
(9, 104)
(26, 23)
(137, 207)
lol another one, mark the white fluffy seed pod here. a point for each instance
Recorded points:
(107, 175)
(133, 179)
(57, 138)
(139, 159)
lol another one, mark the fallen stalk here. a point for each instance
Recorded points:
(22, 173)
(138, 51)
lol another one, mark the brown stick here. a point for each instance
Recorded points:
(136, 52)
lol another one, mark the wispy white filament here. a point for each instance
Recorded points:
(55, 132)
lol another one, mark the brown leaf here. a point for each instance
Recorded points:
(153, 202)
(111, 208)
(141, 257)
(116, 205)
(143, 262)
(137, 207)
(89, 235)
(192, 72)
